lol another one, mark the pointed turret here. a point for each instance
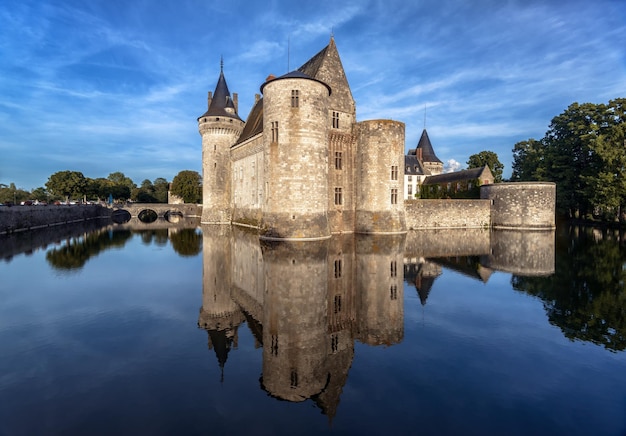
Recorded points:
(426, 154)
(220, 126)
(220, 102)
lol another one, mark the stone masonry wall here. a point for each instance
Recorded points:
(435, 214)
(526, 205)
(19, 218)
(379, 177)
(295, 159)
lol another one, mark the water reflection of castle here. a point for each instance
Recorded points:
(307, 302)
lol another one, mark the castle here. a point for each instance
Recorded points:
(302, 167)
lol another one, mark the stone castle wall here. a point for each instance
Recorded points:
(451, 214)
(295, 159)
(248, 178)
(379, 177)
(521, 205)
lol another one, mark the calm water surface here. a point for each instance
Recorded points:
(207, 331)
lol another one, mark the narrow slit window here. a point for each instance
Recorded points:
(295, 98)
(335, 120)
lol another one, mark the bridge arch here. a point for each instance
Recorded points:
(147, 216)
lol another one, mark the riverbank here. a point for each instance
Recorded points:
(21, 218)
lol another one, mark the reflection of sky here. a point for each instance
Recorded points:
(116, 344)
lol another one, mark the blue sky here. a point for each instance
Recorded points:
(102, 86)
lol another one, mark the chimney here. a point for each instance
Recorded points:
(210, 99)
(236, 102)
(257, 97)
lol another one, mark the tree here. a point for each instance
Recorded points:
(490, 159)
(118, 178)
(188, 185)
(161, 187)
(528, 161)
(67, 184)
(39, 194)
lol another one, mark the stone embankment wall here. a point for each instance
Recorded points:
(20, 218)
(447, 214)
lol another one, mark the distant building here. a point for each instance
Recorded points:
(464, 183)
(420, 163)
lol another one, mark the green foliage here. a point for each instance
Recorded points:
(584, 153)
(490, 159)
(67, 184)
(150, 192)
(188, 185)
(12, 194)
(528, 161)
(39, 194)
(461, 189)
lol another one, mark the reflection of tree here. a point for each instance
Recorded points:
(78, 251)
(585, 297)
(158, 236)
(187, 242)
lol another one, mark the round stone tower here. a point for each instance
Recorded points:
(295, 157)
(379, 177)
(220, 126)
(521, 205)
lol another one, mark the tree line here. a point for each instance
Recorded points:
(74, 186)
(584, 153)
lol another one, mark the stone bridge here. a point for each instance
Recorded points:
(152, 212)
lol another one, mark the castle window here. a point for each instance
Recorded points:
(274, 347)
(337, 268)
(337, 303)
(393, 292)
(338, 196)
(394, 268)
(410, 178)
(274, 131)
(295, 97)
(394, 172)
(394, 196)
(335, 120)
(338, 156)
(408, 168)
(334, 343)
(409, 190)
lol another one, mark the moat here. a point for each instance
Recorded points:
(204, 329)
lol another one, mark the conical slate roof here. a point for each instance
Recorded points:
(222, 104)
(428, 154)
(326, 67)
